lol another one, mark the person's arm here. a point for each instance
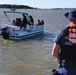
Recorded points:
(55, 50)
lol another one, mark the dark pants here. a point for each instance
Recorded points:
(69, 68)
(23, 25)
(70, 71)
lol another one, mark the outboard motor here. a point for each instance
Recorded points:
(5, 33)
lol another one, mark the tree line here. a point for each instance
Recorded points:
(16, 6)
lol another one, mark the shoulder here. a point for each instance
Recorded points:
(65, 30)
(60, 36)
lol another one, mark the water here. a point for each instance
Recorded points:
(32, 56)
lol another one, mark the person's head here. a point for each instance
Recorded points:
(23, 14)
(71, 15)
(38, 20)
(13, 21)
(30, 16)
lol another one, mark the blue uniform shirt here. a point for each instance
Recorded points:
(58, 39)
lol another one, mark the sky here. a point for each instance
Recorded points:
(43, 3)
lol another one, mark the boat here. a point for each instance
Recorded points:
(14, 31)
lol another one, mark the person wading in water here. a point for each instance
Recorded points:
(64, 48)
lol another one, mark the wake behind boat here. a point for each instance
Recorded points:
(19, 30)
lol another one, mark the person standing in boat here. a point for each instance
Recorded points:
(30, 21)
(24, 22)
(65, 46)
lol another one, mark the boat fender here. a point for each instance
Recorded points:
(5, 33)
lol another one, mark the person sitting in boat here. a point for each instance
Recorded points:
(24, 22)
(18, 22)
(13, 22)
(42, 22)
(38, 23)
(30, 21)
